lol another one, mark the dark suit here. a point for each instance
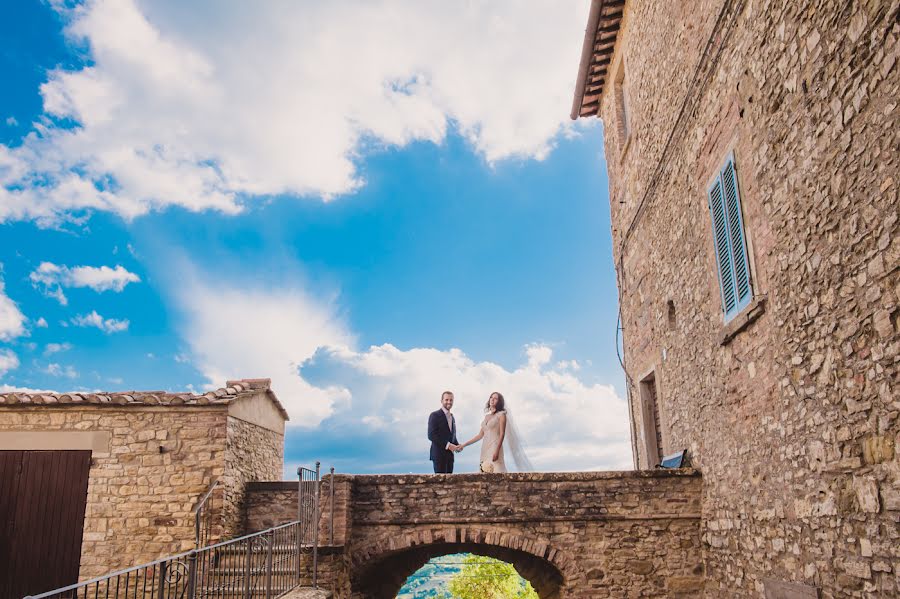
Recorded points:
(440, 433)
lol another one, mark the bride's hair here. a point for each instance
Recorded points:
(501, 404)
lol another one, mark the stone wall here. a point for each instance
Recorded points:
(252, 453)
(141, 492)
(791, 414)
(269, 504)
(573, 535)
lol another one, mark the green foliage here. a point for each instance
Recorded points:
(487, 578)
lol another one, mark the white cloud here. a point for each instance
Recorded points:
(53, 348)
(54, 369)
(11, 121)
(107, 325)
(41, 323)
(12, 321)
(16, 389)
(8, 361)
(51, 278)
(169, 115)
(566, 423)
(301, 343)
(262, 333)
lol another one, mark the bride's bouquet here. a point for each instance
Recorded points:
(487, 466)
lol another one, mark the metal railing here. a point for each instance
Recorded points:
(261, 565)
(256, 566)
(203, 518)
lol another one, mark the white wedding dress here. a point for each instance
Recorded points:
(492, 427)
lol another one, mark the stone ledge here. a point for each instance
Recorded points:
(743, 320)
(525, 477)
(524, 519)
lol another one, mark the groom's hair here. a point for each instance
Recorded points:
(445, 393)
(501, 403)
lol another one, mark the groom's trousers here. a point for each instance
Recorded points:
(443, 462)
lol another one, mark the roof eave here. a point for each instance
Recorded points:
(600, 38)
(587, 54)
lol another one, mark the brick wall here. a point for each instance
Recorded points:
(793, 418)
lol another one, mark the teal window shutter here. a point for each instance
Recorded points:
(730, 242)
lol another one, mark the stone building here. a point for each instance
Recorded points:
(753, 161)
(148, 459)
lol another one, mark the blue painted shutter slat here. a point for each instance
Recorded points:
(736, 237)
(723, 250)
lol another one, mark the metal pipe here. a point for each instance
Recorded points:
(192, 575)
(161, 591)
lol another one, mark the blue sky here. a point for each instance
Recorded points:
(174, 214)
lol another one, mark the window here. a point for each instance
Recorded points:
(652, 432)
(622, 107)
(729, 240)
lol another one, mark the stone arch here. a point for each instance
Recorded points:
(380, 567)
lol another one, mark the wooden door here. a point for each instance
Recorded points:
(42, 500)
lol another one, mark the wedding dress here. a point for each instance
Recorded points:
(491, 427)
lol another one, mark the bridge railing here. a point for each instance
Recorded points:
(261, 565)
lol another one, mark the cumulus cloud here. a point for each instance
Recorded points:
(41, 323)
(12, 321)
(107, 325)
(50, 278)
(567, 424)
(249, 333)
(8, 361)
(54, 348)
(167, 114)
(54, 369)
(376, 400)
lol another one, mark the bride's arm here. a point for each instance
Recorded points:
(474, 439)
(502, 436)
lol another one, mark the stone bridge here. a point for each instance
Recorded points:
(572, 535)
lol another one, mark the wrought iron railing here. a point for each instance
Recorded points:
(204, 515)
(261, 565)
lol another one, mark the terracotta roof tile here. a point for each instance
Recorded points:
(221, 396)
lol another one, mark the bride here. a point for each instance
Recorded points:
(496, 428)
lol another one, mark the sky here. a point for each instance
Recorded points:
(367, 202)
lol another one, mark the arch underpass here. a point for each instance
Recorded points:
(383, 573)
(576, 535)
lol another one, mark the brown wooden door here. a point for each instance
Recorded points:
(42, 501)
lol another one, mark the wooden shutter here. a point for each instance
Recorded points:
(729, 240)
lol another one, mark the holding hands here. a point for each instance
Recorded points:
(456, 448)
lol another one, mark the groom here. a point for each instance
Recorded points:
(442, 434)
